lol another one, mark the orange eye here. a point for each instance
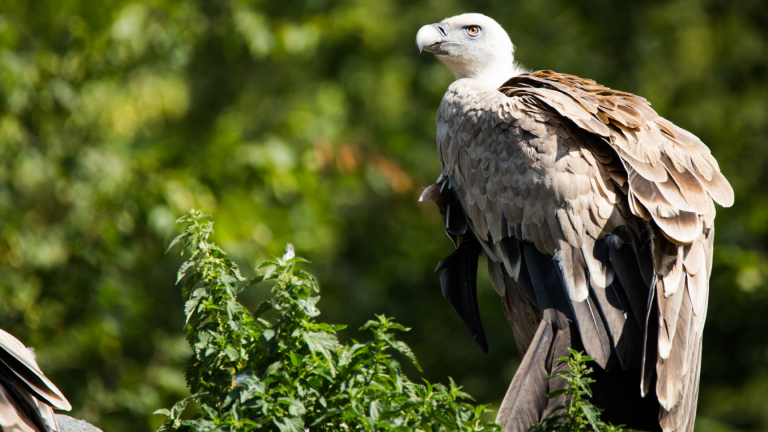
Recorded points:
(473, 31)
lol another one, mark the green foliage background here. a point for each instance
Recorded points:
(313, 122)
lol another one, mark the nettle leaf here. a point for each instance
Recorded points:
(370, 324)
(162, 411)
(262, 309)
(403, 349)
(232, 353)
(295, 359)
(183, 270)
(556, 393)
(227, 279)
(269, 334)
(176, 240)
(191, 305)
(297, 260)
(592, 415)
(291, 424)
(274, 367)
(308, 306)
(270, 270)
(295, 407)
(323, 343)
(396, 372)
(290, 252)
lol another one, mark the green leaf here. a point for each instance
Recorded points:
(402, 348)
(295, 359)
(291, 424)
(183, 270)
(322, 343)
(274, 367)
(162, 411)
(262, 308)
(556, 393)
(592, 415)
(296, 408)
(178, 238)
(232, 353)
(297, 260)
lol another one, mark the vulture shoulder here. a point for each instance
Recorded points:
(618, 195)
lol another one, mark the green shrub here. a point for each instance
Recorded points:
(293, 374)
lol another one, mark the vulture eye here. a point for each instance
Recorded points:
(472, 31)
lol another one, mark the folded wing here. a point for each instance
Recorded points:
(619, 197)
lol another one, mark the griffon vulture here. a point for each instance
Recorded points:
(597, 219)
(26, 395)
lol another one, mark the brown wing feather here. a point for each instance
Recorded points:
(632, 128)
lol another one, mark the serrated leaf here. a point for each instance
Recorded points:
(592, 415)
(178, 238)
(556, 393)
(274, 367)
(296, 407)
(402, 348)
(183, 270)
(269, 272)
(297, 259)
(291, 424)
(262, 308)
(163, 411)
(295, 359)
(370, 324)
(323, 343)
(231, 353)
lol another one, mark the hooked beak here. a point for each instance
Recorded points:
(431, 37)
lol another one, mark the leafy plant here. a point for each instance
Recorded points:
(292, 373)
(578, 414)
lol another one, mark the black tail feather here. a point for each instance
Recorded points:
(459, 285)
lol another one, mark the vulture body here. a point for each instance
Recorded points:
(597, 219)
(26, 395)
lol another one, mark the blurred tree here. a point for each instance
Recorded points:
(313, 122)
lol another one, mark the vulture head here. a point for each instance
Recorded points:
(472, 46)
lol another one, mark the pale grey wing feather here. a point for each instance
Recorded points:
(680, 325)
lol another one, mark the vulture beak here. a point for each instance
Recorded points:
(431, 37)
